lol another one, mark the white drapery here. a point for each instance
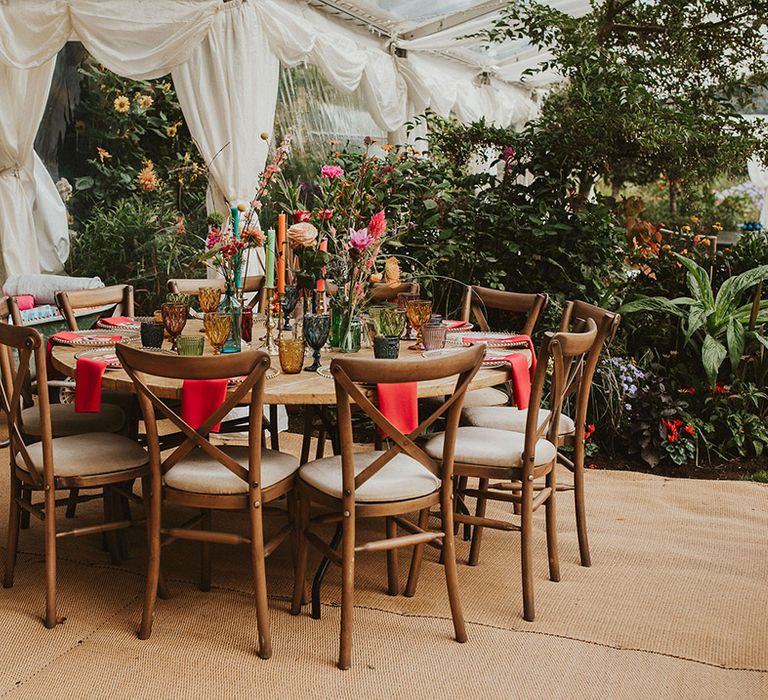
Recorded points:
(758, 173)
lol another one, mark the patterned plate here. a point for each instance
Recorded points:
(132, 325)
(105, 354)
(325, 373)
(271, 373)
(491, 338)
(466, 327)
(99, 338)
(490, 361)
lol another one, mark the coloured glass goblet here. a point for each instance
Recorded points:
(217, 328)
(316, 330)
(419, 312)
(174, 320)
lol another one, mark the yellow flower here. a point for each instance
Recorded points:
(387, 147)
(166, 86)
(103, 154)
(666, 246)
(148, 180)
(717, 227)
(144, 101)
(122, 104)
(707, 242)
(264, 136)
(171, 131)
(187, 157)
(695, 219)
(686, 229)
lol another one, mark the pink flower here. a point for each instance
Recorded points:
(300, 216)
(508, 153)
(325, 213)
(377, 225)
(360, 239)
(331, 171)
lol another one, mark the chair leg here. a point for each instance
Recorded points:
(550, 512)
(322, 569)
(109, 516)
(121, 511)
(300, 570)
(205, 554)
(151, 493)
(526, 562)
(347, 591)
(579, 502)
(274, 433)
(477, 531)
(449, 564)
(306, 441)
(14, 522)
(50, 559)
(260, 577)
(462, 484)
(320, 444)
(72, 505)
(26, 495)
(393, 570)
(417, 558)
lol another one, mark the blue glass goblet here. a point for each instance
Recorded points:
(316, 330)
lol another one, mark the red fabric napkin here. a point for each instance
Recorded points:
(200, 398)
(452, 325)
(25, 302)
(88, 374)
(62, 335)
(399, 405)
(510, 339)
(118, 321)
(521, 378)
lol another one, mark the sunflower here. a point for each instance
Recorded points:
(144, 101)
(171, 131)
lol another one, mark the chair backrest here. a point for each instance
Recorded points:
(349, 373)
(478, 300)
(565, 353)
(26, 344)
(119, 294)
(142, 365)
(575, 317)
(388, 291)
(253, 284)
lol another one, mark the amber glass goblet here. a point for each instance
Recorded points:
(217, 328)
(402, 303)
(209, 299)
(174, 320)
(419, 312)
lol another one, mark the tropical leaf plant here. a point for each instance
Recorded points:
(719, 325)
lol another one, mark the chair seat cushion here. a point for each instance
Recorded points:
(400, 479)
(488, 396)
(494, 448)
(511, 418)
(65, 421)
(198, 472)
(88, 454)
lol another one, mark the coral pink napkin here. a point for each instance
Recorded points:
(200, 398)
(399, 405)
(521, 378)
(25, 302)
(62, 335)
(117, 321)
(453, 325)
(88, 374)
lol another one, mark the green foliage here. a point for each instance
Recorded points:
(135, 242)
(718, 325)
(652, 87)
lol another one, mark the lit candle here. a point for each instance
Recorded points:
(321, 282)
(281, 253)
(270, 258)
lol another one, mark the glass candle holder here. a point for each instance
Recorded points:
(152, 334)
(433, 336)
(190, 345)
(386, 347)
(291, 353)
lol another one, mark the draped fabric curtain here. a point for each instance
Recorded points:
(758, 173)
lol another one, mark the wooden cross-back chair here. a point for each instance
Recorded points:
(576, 316)
(200, 475)
(493, 455)
(385, 483)
(388, 291)
(253, 284)
(119, 294)
(97, 460)
(478, 301)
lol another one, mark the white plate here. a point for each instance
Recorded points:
(494, 339)
(99, 338)
(490, 361)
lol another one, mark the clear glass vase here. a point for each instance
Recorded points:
(350, 331)
(232, 305)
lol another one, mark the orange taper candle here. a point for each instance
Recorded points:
(281, 253)
(321, 282)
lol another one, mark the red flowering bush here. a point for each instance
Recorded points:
(679, 440)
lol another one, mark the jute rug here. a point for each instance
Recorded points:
(673, 606)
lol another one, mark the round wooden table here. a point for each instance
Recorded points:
(305, 388)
